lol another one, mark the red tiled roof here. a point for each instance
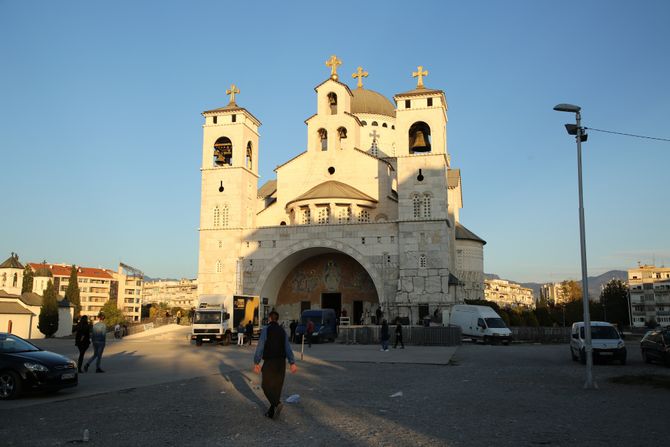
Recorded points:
(64, 270)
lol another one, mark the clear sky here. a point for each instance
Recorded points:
(100, 125)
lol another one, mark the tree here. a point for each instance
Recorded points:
(572, 291)
(48, 319)
(72, 292)
(113, 314)
(28, 276)
(543, 316)
(530, 319)
(514, 318)
(614, 298)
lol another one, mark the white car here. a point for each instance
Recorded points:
(605, 340)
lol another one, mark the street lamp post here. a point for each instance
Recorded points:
(580, 135)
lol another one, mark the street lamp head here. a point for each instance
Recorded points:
(567, 108)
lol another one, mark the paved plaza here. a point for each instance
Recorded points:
(160, 389)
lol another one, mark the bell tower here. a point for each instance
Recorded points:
(229, 185)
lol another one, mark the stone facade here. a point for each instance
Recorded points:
(373, 193)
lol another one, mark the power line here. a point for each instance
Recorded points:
(628, 134)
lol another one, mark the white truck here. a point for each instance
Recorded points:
(212, 318)
(480, 323)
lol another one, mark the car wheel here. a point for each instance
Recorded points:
(645, 357)
(582, 357)
(198, 342)
(10, 385)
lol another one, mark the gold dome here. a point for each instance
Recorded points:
(368, 101)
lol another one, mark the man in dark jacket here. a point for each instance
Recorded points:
(274, 348)
(249, 331)
(293, 326)
(398, 334)
(385, 336)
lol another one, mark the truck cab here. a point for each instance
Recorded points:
(211, 323)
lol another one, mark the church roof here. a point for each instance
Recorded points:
(64, 270)
(369, 101)
(31, 299)
(335, 81)
(268, 188)
(420, 92)
(12, 263)
(333, 190)
(464, 233)
(5, 294)
(13, 309)
(232, 107)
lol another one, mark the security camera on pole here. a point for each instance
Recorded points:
(580, 135)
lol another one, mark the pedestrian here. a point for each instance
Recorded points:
(274, 348)
(117, 330)
(240, 334)
(99, 334)
(310, 331)
(293, 326)
(178, 316)
(82, 339)
(379, 314)
(249, 331)
(398, 334)
(385, 336)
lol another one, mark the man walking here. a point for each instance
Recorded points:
(398, 334)
(293, 327)
(274, 348)
(99, 337)
(310, 331)
(249, 331)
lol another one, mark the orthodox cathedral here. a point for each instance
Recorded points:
(366, 217)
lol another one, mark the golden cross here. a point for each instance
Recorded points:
(333, 62)
(360, 74)
(420, 73)
(232, 91)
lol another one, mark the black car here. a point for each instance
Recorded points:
(656, 346)
(24, 366)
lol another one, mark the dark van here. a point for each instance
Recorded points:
(325, 324)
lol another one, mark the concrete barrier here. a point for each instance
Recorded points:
(541, 334)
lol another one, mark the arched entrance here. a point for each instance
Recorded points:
(334, 276)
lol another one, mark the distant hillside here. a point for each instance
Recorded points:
(596, 283)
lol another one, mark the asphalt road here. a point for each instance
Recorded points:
(161, 390)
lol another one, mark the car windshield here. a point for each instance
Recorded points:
(10, 344)
(207, 317)
(495, 323)
(601, 332)
(315, 320)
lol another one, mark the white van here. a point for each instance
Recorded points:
(480, 322)
(605, 341)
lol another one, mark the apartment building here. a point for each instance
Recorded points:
(508, 294)
(182, 293)
(553, 293)
(649, 288)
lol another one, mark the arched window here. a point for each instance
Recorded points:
(4, 279)
(419, 138)
(223, 152)
(332, 102)
(9, 327)
(323, 138)
(364, 217)
(217, 216)
(16, 280)
(323, 217)
(422, 261)
(306, 216)
(249, 157)
(218, 266)
(364, 123)
(374, 123)
(426, 205)
(224, 216)
(374, 149)
(342, 133)
(385, 125)
(416, 206)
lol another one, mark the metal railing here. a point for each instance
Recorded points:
(412, 335)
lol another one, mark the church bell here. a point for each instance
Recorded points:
(420, 142)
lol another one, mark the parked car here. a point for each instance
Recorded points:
(655, 346)
(325, 324)
(606, 342)
(24, 366)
